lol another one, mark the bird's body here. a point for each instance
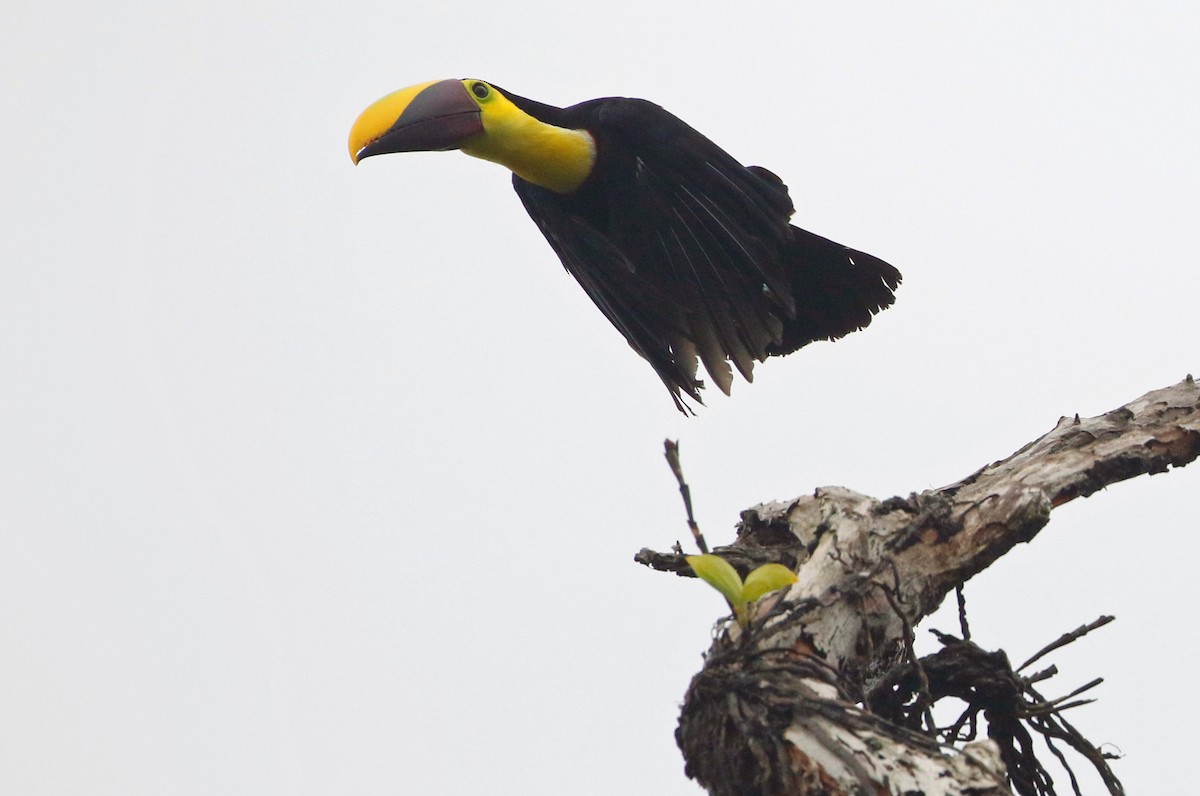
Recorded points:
(686, 251)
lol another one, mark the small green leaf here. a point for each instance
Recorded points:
(765, 579)
(720, 574)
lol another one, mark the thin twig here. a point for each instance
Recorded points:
(1044, 674)
(1067, 638)
(962, 612)
(1062, 702)
(671, 449)
(924, 697)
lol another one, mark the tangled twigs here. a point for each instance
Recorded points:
(1007, 702)
(1053, 726)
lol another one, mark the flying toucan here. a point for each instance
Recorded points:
(686, 251)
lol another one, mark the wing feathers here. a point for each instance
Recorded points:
(690, 254)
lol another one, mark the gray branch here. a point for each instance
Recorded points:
(777, 708)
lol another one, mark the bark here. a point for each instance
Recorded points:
(778, 706)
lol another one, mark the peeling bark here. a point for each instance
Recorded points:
(777, 708)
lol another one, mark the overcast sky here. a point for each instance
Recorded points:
(318, 479)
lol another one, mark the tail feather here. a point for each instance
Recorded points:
(836, 291)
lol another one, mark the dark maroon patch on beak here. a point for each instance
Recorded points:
(441, 117)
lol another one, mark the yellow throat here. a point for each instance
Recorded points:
(552, 157)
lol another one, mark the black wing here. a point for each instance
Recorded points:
(654, 324)
(690, 254)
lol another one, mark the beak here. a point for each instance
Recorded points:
(431, 116)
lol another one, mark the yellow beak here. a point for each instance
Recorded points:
(437, 115)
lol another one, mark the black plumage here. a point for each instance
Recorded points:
(689, 253)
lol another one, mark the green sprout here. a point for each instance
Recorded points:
(720, 574)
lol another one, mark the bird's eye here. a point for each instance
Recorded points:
(480, 90)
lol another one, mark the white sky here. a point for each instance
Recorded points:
(316, 479)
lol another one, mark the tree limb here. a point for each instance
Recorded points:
(777, 707)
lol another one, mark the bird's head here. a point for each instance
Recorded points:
(480, 120)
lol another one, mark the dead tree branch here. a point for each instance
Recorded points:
(779, 707)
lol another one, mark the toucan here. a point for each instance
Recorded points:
(690, 254)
